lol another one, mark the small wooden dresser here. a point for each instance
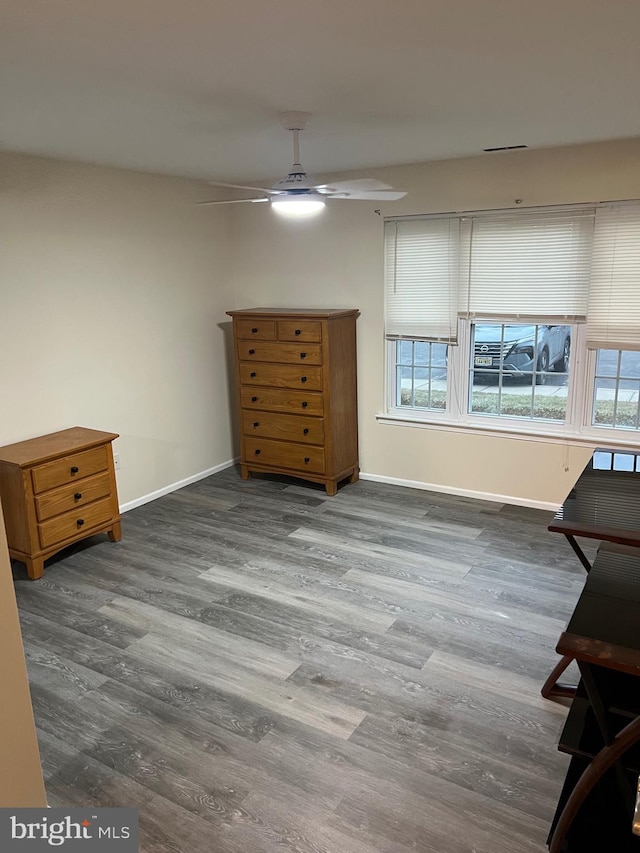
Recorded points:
(55, 490)
(296, 372)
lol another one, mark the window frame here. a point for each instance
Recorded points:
(577, 428)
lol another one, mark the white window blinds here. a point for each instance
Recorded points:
(557, 265)
(529, 265)
(421, 279)
(613, 320)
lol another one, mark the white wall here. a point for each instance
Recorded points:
(336, 261)
(113, 286)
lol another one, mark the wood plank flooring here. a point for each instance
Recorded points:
(258, 667)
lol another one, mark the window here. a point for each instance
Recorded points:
(526, 320)
(421, 375)
(520, 371)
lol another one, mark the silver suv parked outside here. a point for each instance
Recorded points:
(520, 351)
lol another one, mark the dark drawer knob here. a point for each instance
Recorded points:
(74, 469)
(80, 522)
(305, 431)
(256, 423)
(297, 331)
(257, 452)
(252, 352)
(77, 496)
(306, 460)
(304, 405)
(303, 379)
(254, 331)
(254, 399)
(303, 355)
(253, 373)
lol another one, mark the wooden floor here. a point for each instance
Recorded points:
(260, 668)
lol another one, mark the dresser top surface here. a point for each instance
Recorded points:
(46, 447)
(298, 313)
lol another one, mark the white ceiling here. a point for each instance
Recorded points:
(189, 87)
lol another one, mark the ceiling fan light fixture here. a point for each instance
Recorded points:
(298, 204)
(298, 195)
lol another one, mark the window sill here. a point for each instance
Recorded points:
(599, 438)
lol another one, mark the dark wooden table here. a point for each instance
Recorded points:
(602, 732)
(604, 504)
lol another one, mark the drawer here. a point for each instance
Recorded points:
(286, 427)
(256, 330)
(281, 454)
(75, 523)
(281, 375)
(299, 330)
(287, 353)
(72, 496)
(70, 468)
(281, 400)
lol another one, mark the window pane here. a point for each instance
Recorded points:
(623, 461)
(602, 460)
(421, 375)
(422, 352)
(627, 408)
(520, 371)
(405, 352)
(630, 365)
(439, 355)
(604, 399)
(550, 407)
(607, 363)
(485, 396)
(403, 391)
(617, 389)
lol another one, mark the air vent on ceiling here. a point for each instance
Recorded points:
(505, 148)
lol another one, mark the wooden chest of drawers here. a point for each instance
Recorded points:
(55, 490)
(296, 373)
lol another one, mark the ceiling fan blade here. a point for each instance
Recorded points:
(379, 195)
(241, 187)
(234, 201)
(357, 185)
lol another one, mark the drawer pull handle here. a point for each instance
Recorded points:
(80, 522)
(304, 405)
(252, 374)
(303, 379)
(252, 352)
(77, 496)
(306, 431)
(257, 452)
(297, 331)
(74, 469)
(306, 460)
(254, 399)
(256, 423)
(303, 355)
(254, 331)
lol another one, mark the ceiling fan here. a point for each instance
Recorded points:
(298, 194)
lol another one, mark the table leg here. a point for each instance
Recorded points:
(551, 689)
(579, 552)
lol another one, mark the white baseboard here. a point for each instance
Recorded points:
(173, 487)
(376, 478)
(464, 493)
